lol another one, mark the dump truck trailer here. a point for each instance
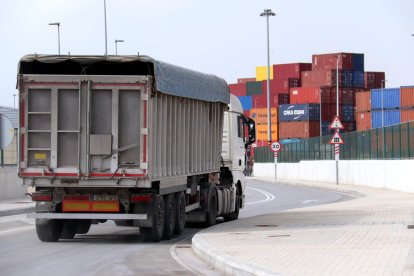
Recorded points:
(130, 139)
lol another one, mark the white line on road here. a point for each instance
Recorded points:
(309, 201)
(16, 229)
(269, 196)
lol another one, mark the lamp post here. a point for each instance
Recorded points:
(116, 45)
(383, 117)
(106, 38)
(58, 27)
(267, 13)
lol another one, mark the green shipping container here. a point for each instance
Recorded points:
(253, 88)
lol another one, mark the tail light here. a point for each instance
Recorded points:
(42, 197)
(141, 198)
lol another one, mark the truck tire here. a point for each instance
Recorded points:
(180, 213)
(49, 230)
(169, 224)
(154, 234)
(234, 215)
(69, 229)
(211, 213)
(83, 226)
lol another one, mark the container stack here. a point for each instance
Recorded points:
(385, 107)
(299, 121)
(310, 88)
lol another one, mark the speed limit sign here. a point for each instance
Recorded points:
(276, 146)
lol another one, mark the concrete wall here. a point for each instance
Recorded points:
(10, 185)
(388, 174)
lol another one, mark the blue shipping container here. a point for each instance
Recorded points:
(348, 113)
(359, 79)
(391, 117)
(347, 78)
(299, 112)
(390, 97)
(247, 102)
(358, 62)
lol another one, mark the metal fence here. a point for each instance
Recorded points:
(393, 142)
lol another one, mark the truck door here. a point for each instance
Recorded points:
(83, 127)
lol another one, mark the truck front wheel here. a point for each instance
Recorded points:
(49, 230)
(154, 234)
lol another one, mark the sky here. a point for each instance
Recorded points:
(226, 38)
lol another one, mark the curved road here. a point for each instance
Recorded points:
(111, 250)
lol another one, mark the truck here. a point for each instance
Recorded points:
(130, 139)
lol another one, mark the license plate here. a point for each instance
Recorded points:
(105, 197)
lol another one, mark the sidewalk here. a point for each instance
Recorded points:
(18, 206)
(369, 235)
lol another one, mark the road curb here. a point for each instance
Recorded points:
(224, 262)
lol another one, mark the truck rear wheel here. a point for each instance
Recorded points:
(170, 212)
(211, 213)
(154, 234)
(83, 226)
(180, 213)
(49, 230)
(69, 229)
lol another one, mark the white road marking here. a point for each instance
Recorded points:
(269, 196)
(309, 201)
(16, 229)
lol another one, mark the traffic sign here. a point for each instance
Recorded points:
(276, 146)
(336, 123)
(336, 139)
(6, 131)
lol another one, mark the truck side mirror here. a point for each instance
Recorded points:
(251, 129)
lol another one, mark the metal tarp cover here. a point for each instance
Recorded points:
(169, 79)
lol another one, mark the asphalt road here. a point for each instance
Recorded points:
(111, 250)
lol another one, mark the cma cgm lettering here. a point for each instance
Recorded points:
(299, 112)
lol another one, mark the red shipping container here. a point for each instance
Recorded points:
(363, 120)
(244, 80)
(317, 78)
(260, 101)
(247, 113)
(298, 129)
(345, 95)
(363, 101)
(302, 95)
(407, 96)
(280, 86)
(238, 89)
(328, 61)
(290, 70)
(407, 115)
(374, 80)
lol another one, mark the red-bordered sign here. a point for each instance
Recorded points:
(336, 139)
(276, 146)
(336, 123)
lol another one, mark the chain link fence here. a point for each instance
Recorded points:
(393, 142)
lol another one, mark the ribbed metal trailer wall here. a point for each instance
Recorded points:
(193, 129)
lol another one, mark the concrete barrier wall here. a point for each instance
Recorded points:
(387, 174)
(10, 185)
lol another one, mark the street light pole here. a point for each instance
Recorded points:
(336, 147)
(58, 27)
(116, 45)
(106, 38)
(267, 13)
